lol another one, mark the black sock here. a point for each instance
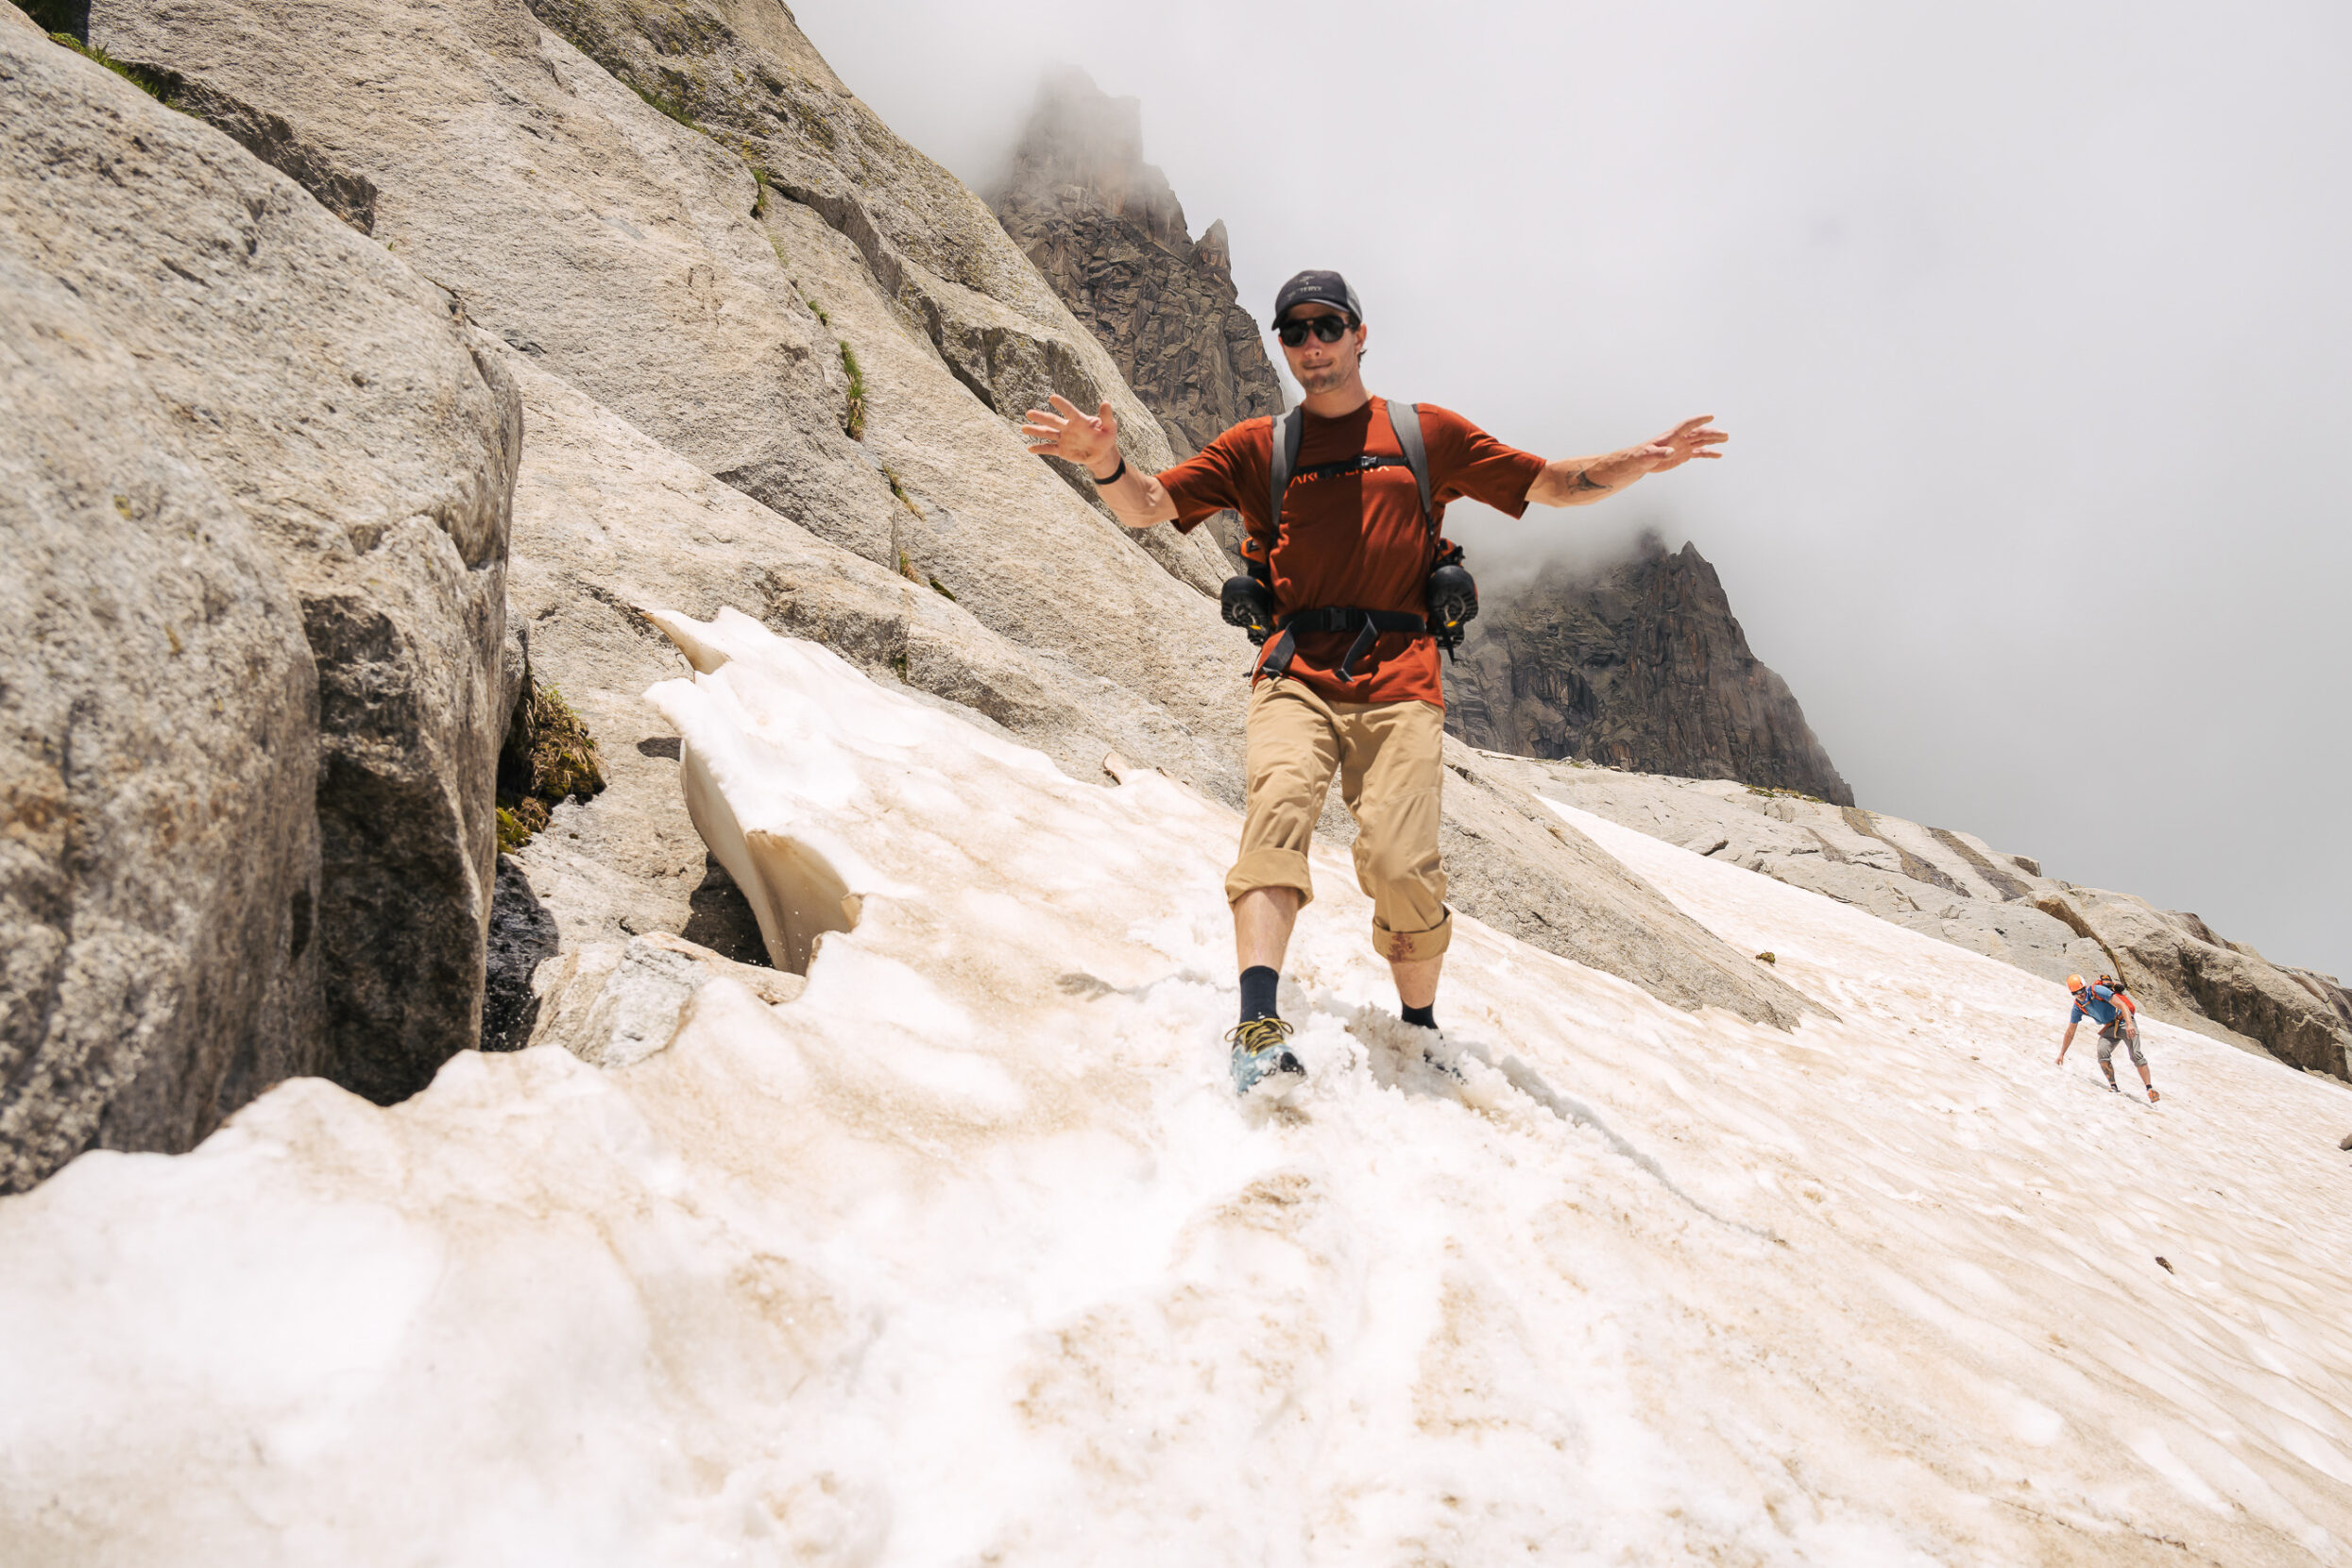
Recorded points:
(1422, 1017)
(1257, 991)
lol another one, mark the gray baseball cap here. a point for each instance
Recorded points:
(1316, 288)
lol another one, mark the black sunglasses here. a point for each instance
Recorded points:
(1327, 328)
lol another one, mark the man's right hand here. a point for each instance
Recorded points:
(1089, 439)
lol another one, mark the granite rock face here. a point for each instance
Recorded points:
(1640, 665)
(1955, 887)
(256, 692)
(1103, 228)
(159, 851)
(599, 216)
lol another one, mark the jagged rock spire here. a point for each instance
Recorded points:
(1109, 235)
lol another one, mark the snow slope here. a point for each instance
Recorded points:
(968, 1257)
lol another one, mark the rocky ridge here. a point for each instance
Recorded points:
(1955, 887)
(1639, 665)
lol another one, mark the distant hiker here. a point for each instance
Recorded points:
(2108, 1005)
(1352, 588)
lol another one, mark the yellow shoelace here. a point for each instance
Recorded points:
(1259, 1034)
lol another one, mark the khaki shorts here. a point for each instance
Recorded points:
(1387, 755)
(2123, 1030)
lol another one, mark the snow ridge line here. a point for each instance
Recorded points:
(1529, 1083)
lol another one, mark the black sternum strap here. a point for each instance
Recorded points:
(1365, 624)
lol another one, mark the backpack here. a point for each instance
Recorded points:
(1451, 594)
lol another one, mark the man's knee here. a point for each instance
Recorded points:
(1386, 861)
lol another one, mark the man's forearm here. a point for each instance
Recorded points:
(1138, 500)
(1582, 481)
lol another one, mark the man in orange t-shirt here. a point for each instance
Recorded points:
(1366, 702)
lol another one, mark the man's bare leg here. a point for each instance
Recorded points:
(2145, 1082)
(1417, 980)
(1261, 921)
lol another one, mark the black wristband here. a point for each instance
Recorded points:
(1115, 474)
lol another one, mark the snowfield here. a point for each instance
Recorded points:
(967, 1256)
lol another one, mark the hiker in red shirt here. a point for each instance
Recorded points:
(1346, 550)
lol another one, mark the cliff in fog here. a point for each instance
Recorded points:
(1640, 665)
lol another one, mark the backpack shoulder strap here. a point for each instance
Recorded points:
(1284, 432)
(1407, 428)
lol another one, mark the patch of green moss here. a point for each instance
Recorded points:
(853, 421)
(941, 589)
(600, 50)
(664, 103)
(549, 757)
(162, 86)
(1785, 794)
(817, 305)
(900, 490)
(517, 824)
(759, 199)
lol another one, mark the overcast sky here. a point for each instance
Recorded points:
(2029, 322)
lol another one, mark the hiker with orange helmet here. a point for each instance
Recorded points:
(2111, 1008)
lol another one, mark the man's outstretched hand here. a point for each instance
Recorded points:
(1689, 439)
(1091, 439)
(1581, 481)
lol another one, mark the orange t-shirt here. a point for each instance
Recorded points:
(1353, 538)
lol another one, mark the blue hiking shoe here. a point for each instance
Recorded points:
(1262, 1060)
(1439, 1056)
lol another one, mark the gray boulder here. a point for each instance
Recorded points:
(312, 381)
(613, 1003)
